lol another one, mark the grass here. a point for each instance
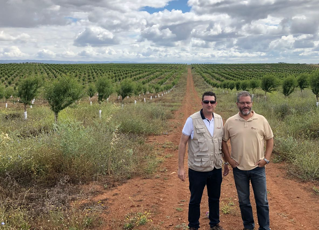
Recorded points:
(294, 121)
(43, 164)
(135, 219)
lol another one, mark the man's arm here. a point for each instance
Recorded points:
(227, 157)
(269, 148)
(181, 156)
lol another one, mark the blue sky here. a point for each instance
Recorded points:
(173, 5)
(198, 31)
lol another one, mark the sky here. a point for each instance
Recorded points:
(160, 31)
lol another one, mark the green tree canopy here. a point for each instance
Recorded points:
(28, 89)
(126, 88)
(269, 83)
(254, 84)
(237, 85)
(104, 88)
(138, 88)
(61, 93)
(91, 90)
(8, 93)
(303, 81)
(2, 91)
(314, 84)
(288, 85)
(231, 85)
(244, 85)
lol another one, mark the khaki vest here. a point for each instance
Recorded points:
(204, 150)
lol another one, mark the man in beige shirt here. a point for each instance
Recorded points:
(248, 131)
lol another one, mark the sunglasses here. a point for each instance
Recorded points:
(206, 102)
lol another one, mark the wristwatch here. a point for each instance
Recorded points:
(226, 163)
(267, 161)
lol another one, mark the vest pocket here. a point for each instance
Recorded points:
(218, 145)
(202, 161)
(202, 144)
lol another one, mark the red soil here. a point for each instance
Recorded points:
(294, 205)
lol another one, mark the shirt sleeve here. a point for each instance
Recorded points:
(225, 133)
(268, 131)
(188, 127)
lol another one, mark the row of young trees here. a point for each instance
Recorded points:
(269, 83)
(64, 91)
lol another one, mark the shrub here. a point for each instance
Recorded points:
(126, 88)
(303, 81)
(61, 93)
(104, 88)
(268, 83)
(289, 85)
(314, 84)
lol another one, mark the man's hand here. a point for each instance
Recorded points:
(226, 170)
(233, 163)
(181, 174)
(261, 163)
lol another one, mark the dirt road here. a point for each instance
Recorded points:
(293, 204)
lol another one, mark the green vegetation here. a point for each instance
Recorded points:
(43, 163)
(314, 84)
(61, 93)
(27, 91)
(288, 86)
(294, 119)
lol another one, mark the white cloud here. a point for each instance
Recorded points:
(95, 36)
(46, 54)
(113, 30)
(12, 53)
(7, 37)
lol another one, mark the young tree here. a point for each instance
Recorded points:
(8, 92)
(303, 81)
(104, 88)
(231, 85)
(244, 85)
(91, 90)
(237, 85)
(126, 88)
(138, 88)
(268, 83)
(61, 93)
(2, 90)
(314, 84)
(288, 86)
(27, 91)
(254, 84)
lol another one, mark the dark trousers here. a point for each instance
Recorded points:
(257, 177)
(197, 182)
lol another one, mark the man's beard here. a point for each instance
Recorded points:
(245, 113)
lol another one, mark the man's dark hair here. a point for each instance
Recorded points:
(209, 93)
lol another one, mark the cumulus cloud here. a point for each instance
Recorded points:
(46, 54)
(11, 53)
(7, 37)
(95, 36)
(213, 30)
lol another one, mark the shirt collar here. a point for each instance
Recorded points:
(252, 118)
(202, 114)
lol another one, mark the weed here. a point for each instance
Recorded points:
(316, 190)
(133, 220)
(179, 209)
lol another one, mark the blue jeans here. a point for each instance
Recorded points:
(197, 183)
(257, 177)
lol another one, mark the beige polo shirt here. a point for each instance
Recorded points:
(247, 139)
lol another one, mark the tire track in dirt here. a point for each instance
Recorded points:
(293, 205)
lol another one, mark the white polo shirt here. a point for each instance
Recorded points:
(188, 129)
